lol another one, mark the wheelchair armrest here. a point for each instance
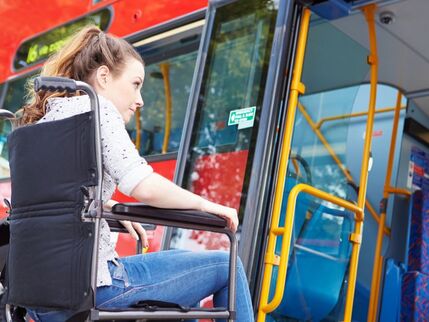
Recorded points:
(117, 227)
(182, 218)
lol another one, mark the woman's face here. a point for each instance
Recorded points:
(124, 90)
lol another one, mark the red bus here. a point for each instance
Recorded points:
(283, 123)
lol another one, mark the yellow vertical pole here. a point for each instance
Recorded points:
(296, 88)
(165, 70)
(378, 258)
(369, 12)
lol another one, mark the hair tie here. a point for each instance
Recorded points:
(101, 36)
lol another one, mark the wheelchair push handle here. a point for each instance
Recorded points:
(55, 84)
(6, 114)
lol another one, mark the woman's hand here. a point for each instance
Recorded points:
(230, 214)
(135, 229)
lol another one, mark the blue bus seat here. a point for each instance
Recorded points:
(321, 249)
(415, 292)
(391, 297)
(414, 297)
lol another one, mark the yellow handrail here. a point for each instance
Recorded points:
(378, 257)
(286, 232)
(165, 71)
(337, 160)
(398, 191)
(296, 88)
(369, 12)
(346, 116)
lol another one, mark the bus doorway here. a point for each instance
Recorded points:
(370, 102)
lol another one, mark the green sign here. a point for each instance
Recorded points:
(37, 49)
(244, 117)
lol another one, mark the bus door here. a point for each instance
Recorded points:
(318, 191)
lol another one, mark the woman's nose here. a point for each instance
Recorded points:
(140, 102)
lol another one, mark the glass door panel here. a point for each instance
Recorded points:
(228, 108)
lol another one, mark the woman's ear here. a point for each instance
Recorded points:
(102, 76)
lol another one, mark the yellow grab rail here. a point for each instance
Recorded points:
(398, 191)
(319, 124)
(369, 12)
(296, 88)
(286, 232)
(378, 257)
(165, 71)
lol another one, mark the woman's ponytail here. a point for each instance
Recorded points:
(82, 54)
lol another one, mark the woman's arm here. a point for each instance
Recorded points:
(160, 192)
(135, 177)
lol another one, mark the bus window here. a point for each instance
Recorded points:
(229, 103)
(37, 49)
(169, 67)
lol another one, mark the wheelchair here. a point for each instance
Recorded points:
(54, 219)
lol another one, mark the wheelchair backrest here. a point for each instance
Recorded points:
(50, 252)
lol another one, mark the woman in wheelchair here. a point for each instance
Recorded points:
(116, 72)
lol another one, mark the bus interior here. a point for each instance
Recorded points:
(327, 153)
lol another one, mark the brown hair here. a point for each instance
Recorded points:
(82, 54)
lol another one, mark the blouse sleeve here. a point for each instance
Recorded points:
(121, 159)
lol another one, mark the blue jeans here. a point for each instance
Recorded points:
(176, 276)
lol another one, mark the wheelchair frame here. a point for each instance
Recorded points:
(138, 212)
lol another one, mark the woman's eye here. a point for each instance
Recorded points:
(137, 84)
